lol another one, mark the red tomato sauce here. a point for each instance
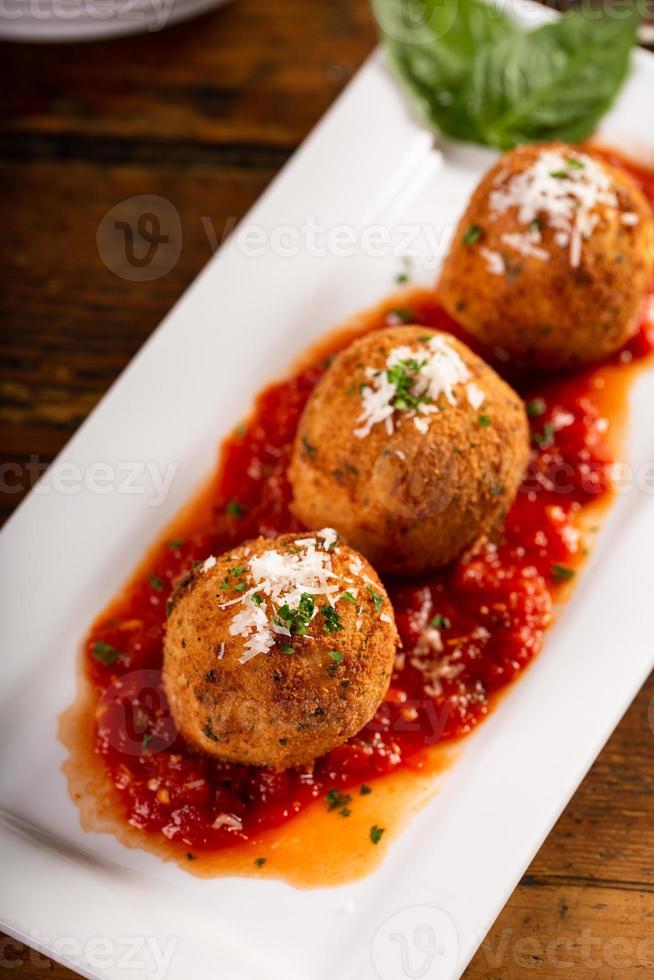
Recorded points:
(491, 608)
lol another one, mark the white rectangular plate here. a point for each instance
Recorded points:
(81, 896)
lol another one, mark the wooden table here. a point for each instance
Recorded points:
(205, 114)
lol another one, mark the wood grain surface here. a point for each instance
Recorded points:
(204, 115)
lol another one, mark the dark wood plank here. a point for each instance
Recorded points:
(253, 72)
(70, 324)
(552, 931)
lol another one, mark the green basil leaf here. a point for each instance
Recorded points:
(477, 77)
(431, 44)
(552, 83)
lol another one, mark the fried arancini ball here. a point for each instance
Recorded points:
(279, 650)
(553, 257)
(411, 447)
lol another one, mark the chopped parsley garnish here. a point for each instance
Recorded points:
(440, 622)
(345, 812)
(497, 490)
(337, 800)
(332, 668)
(365, 790)
(485, 420)
(332, 622)
(310, 449)
(240, 586)
(287, 648)
(544, 439)
(402, 375)
(403, 277)
(156, 583)
(238, 570)
(209, 732)
(259, 862)
(377, 599)
(376, 833)
(536, 407)
(175, 543)
(472, 235)
(559, 174)
(576, 164)
(561, 573)
(257, 598)
(297, 620)
(235, 509)
(348, 597)
(105, 653)
(402, 314)
(147, 738)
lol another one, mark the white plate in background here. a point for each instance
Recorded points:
(64, 555)
(59, 21)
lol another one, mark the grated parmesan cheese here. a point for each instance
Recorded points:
(435, 670)
(494, 261)
(356, 565)
(229, 820)
(476, 396)
(563, 190)
(441, 370)
(282, 578)
(329, 537)
(430, 641)
(527, 243)
(208, 563)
